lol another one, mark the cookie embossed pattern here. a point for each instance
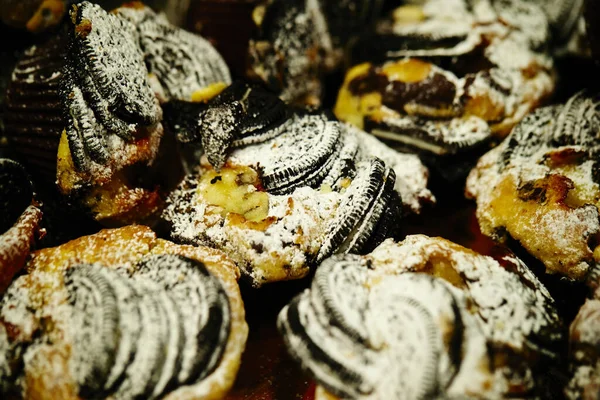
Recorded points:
(279, 192)
(122, 314)
(84, 107)
(423, 318)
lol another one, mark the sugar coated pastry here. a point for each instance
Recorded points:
(423, 318)
(122, 315)
(83, 106)
(540, 186)
(288, 45)
(279, 191)
(443, 78)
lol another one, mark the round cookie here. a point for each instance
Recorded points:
(104, 315)
(83, 107)
(423, 318)
(540, 186)
(443, 79)
(279, 191)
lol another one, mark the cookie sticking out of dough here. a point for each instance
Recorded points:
(445, 78)
(122, 314)
(279, 191)
(83, 107)
(422, 318)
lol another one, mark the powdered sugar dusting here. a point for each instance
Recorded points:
(42, 295)
(115, 61)
(496, 290)
(281, 251)
(308, 171)
(16, 243)
(411, 174)
(182, 61)
(489, 56)
(293, 51)
(372, 327)
(547, 165)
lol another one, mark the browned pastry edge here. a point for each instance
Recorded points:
(112, 247)
(16, 243)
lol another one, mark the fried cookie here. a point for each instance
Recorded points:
(83, 107)
(444, 79)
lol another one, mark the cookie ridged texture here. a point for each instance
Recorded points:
(95, 316)
(107, 98)
(290, 53)
(86, 135)
(182, 62)
(206, 324)
(321, 186)
(111, 51)
(446, 67)
(240, 115)
(313, 141)
(33, 118)
(390, 326)
(150, 332)
(417, 334)
(360, 209)
(528, 137)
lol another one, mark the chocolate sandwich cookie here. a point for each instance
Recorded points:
(122, 315)
(20, 220)
(187, 66)
(278, 191)
(291, 51)
(83, 107)
(444, 79)
(423, 318)
(540, 186)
